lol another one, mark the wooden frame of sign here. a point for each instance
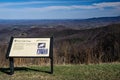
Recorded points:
(29, 48)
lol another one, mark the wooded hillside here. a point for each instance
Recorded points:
(71, 46)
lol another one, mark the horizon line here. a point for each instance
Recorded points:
(64, 18)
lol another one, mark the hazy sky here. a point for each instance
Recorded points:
(58, 9)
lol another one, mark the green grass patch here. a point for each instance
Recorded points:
(65, 72)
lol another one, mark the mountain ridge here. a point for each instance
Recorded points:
(72, 23)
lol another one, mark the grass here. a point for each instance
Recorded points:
(65, 72)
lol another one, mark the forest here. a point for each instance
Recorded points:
(71, 46)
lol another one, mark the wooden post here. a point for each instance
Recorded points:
(51, 65)
(51, 54)
(11, 65)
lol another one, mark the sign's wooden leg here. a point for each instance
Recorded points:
(51, 65)
(11, 66)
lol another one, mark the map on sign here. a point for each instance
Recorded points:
(30, 47)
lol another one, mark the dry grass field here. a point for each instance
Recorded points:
(107, 71)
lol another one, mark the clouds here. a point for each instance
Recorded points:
(20, 3)
(61, 10)
(91, 6)
(107, 4)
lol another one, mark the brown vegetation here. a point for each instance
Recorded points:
(79, 47)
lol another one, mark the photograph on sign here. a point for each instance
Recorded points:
(42, 48)
(30, 47)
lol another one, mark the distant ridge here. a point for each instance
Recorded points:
(73, 23)
(105, 18)
(113, 17)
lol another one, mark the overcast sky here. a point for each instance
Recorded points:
(58, 9)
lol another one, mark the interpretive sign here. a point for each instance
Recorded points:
(30, 47)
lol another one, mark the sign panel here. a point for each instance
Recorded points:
(30, 47)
